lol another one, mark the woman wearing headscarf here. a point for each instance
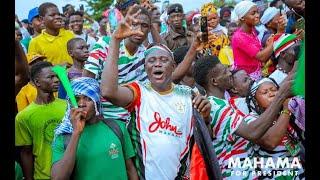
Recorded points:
(214, 27)
(281, 140)
(247, 49)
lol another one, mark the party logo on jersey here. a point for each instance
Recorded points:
(164, 126)
(113, 151)
(181, 108)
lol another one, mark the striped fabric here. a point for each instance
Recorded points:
(130, 68)
(280, 151)
(225, 121)
(283, 42)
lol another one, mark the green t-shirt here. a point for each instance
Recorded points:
(18, 171)
(35, 126)
(26, 42)
(99, 153)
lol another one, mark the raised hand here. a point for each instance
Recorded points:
(270, 40)
(282, 23)
(299, 33)
(200, 45)
(125, 28)
(78, 121)
(202, 104)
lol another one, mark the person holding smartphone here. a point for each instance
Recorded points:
(209, 10)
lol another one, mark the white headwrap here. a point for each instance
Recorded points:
(257, 84)
(269, 14)
(242, 8)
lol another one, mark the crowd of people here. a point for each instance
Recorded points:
(141, 75)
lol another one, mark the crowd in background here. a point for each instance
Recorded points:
(140, 76)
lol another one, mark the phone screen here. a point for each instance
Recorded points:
(204, 28)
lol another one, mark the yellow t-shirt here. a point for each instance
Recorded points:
(27, 95)
(226, 56)
(53, 47)
(35, 126)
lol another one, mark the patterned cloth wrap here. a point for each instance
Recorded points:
(297, 107)
(81, 86)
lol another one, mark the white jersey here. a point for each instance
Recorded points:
(161, 131)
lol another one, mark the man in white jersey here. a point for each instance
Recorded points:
(233, 131)
(162, 127)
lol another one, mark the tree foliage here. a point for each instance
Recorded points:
(97, 7)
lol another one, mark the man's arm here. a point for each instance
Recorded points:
(265, 53)
(27, 161)
(131, 170)
(256, 129)
(184, 66)
(64, 167)
(275, 133)
(21, 68)
(117, 95)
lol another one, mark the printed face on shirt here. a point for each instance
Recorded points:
(76, 23)
(37, 24)
(241, 83)
(175, 20)
(53, 19)
(252, 18)
(159, 67)
(265, 94)
(222, 76)
(86, 104)
(80, 51)
(47, 81)
(143, 26)
(213, 20)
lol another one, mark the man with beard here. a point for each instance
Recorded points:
(76, 25)
(177, 35)
(34, 126)
(52, 42)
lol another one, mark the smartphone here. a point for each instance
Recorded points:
(204, 28)
(281, 8)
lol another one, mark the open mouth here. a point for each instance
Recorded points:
(157, 74)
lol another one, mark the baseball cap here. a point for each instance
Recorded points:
(31, 57)
(32, 14)
(175, 8)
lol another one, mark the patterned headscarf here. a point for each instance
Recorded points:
(81, 86)
(154, 47)
(207, 9)
(251, 100)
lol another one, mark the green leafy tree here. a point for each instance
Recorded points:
(97, 7)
